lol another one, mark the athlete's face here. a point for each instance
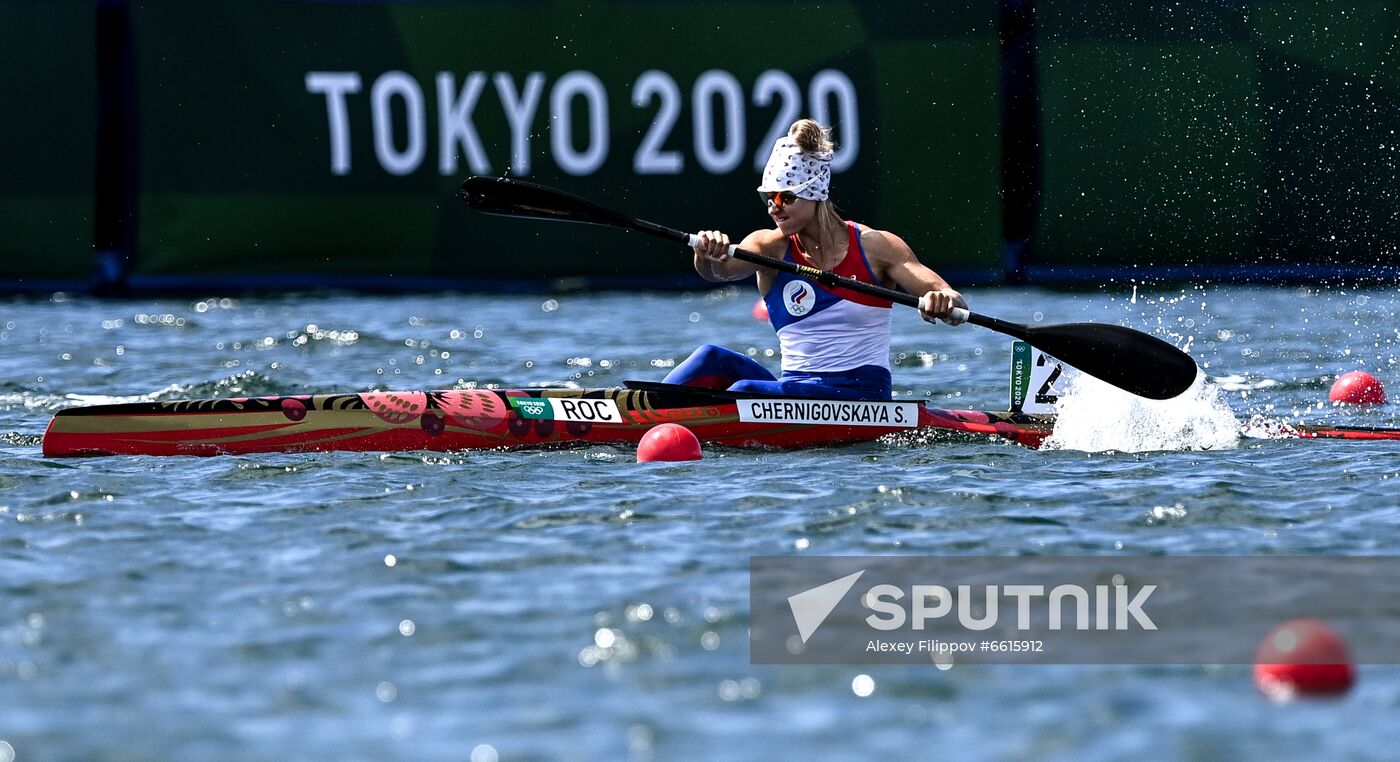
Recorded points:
(792, 216)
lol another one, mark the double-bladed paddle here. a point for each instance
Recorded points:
(1128, 359)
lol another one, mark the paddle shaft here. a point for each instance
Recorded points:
(516, 198)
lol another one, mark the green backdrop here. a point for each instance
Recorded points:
(1207, 132)
(239, 175)
(47, 56)
(297, 142)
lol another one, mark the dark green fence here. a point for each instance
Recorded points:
(47, 105)
(327, 139)
(1208, 133)
(280, 143)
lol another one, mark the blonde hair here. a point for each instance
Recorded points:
(811, 136)
(814, 137)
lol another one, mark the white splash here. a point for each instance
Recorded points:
(108, 399)
(1095, 417)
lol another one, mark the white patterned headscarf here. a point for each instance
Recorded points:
(790, 169)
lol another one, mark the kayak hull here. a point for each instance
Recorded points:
(473, 419)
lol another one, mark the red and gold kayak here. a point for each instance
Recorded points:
(521, 418)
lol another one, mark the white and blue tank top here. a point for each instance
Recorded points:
(824, 329)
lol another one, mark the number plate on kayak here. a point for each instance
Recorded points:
(567, 409)
(1037, 379)
(830, 412)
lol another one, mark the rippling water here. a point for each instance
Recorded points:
(575, 604)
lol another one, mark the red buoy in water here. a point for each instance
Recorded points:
(1357, 388)
(760, 309)
(1302, 657)
(668, 442)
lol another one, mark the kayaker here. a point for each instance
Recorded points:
(835, 342)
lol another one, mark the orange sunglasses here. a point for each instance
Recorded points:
(779, 199)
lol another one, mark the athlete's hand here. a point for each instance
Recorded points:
(714, 245)
(936, 305)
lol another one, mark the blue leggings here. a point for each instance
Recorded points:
(713, 367)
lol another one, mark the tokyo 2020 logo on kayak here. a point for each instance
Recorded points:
(798, 297)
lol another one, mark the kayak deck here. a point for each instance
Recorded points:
(532, 418)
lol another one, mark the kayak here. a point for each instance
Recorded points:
(470, 419)
(514, 418)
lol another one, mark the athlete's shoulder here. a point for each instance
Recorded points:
(882, 244)
(770, 241)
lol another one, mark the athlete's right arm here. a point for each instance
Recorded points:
(712, 258)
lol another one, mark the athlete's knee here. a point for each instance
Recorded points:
(709, 353)
(758, 386)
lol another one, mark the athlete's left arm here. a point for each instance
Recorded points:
(894, 262)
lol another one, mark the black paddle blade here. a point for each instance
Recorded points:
(517, 198)
(1128, 359)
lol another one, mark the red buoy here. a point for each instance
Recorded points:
(760, 309)
(1357, 388)
(668, 442)
(1302, 657)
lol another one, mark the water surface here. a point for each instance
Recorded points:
(576, 605)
